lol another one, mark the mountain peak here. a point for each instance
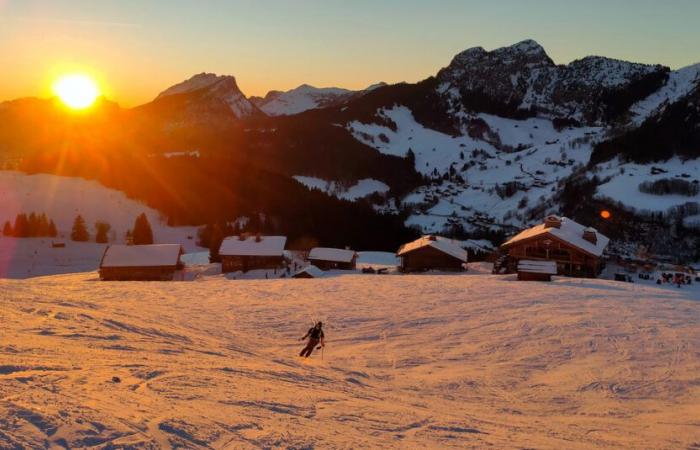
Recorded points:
(209, 91)
(197, 82)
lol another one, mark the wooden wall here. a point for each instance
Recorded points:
(570, 260)
(246, 263)
(428, 258)
(137, 273)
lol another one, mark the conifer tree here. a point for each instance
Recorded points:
(52, 231)
(21, 228)
(7, 229)
(142, 233)
(101, 232)
(79, 233)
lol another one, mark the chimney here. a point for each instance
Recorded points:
(589, 234)
(258, 238)
(241, 237)
(552, 221)
(432, 238)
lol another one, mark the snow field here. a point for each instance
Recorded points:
(434, 361)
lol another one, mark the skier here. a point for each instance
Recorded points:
(316, 336)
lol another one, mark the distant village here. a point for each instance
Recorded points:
(558, 246)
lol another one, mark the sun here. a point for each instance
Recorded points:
(76, 91)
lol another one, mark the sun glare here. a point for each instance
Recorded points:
(76, 91)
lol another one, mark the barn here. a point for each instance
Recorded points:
(246, 253)
(158, 262)
(577, 250)
(432, 253)
(333, 258)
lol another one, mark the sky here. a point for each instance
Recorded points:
(137, 48)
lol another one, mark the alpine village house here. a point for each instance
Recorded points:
(247, 252)
(576, 249)
(432, 253)
(158, 262)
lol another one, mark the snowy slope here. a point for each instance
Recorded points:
(680, 82)
(306, 97)
(63, 198)
(361, 188)
(622, 182)
(454, 361)
(530, 152)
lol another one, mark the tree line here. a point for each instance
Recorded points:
(30, 225)
(39, 225)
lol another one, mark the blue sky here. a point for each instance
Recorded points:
(138, 48)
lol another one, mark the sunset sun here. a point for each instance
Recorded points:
(76, 91)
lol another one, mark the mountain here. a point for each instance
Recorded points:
(521, 81)
(204, 99)
(491, 143)
(306, 97)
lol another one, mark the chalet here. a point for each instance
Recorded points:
(576, 249)
(309, 272)
(333, 258)
(141, 262)
(432, 253)
(246, 253)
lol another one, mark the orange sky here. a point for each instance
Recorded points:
(136, 49)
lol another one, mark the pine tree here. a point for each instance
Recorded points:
(101, 232)
(79, 232)
(52, 231)
(21, 228)
(215, 239)
(142, 233)
(7, 229)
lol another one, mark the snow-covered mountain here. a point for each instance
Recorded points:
(215, 90)
(306, 97)
(491, 143)
(522, 79)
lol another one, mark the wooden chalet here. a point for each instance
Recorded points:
(158, 262)
(333, 258)
(244, 253)
(576, 249)
(432, 253)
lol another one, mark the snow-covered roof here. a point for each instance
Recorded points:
(250, 246)
(332, 254)
(312, 270)
(445, 245)
(569, 231)
(530, 266)
(157, 255)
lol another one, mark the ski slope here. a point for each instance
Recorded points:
(422, 361)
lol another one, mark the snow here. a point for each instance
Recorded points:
(332, 254)
(193, 154)
(530, 152)
(362, 188)
(157, 255)
(625, 178)
(220, 88)
(250, 246)
(424, 361)
(63, 198)
(680, 82)
(312, 270)
(197, 82)
(301, 99)
(445, 245)
(570, 231)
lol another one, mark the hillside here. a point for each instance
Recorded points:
(491, 143)
(471, 361)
